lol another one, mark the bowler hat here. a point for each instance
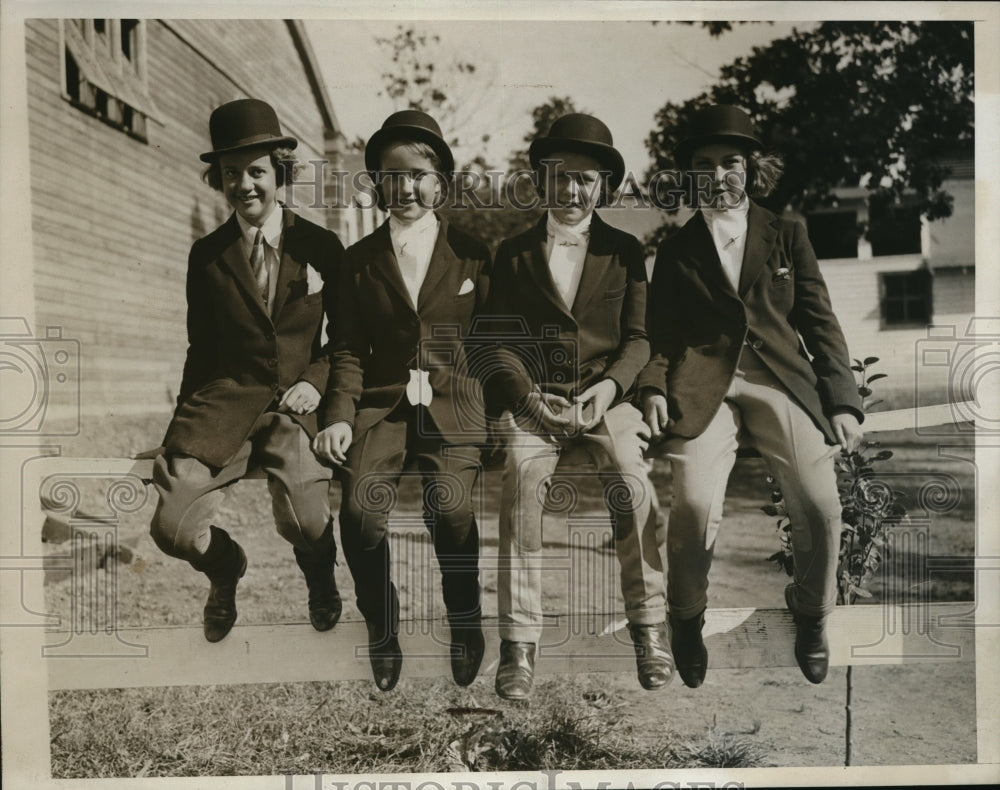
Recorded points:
(580, 134)
(244, 123)
(412, 125)
(716, 124)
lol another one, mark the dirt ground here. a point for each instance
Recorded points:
(902, 715)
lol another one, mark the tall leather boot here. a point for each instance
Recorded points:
(689, 649)
(384, 652)
(224, 563)
(467, 647)
(317, 564)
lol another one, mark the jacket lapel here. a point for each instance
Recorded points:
(595, 266)
(289, 266)
(537, 263)
(761, 234)
(443, 260)
(702, 249)
(386, 263)
(235, 259)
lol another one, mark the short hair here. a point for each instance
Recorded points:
(283, 160)
(414, 147)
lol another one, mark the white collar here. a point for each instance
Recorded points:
(272, 227)
(557, 228)
(427, 222)
(735, 215)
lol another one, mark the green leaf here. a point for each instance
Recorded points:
(864, 392)
(858, 368)
(870, 360)
(876, 377)
(883, 455)
(770, 510)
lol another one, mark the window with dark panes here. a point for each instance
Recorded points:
(906, 298)
(894, 230)
(834, 234)
(104, 72)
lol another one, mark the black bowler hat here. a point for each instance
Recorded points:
(244, 123)
(413, 126)
(580, 134)
(717, 124)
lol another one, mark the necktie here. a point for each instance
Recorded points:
(257, 262)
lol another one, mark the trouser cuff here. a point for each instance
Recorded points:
(649, 615)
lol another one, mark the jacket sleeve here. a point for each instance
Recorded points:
(202, 361)
(633, 352)
(331, 255)
(812, 315)
(659, 315)
(505, 380)
(348, 347)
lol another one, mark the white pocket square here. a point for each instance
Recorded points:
(467, 287)
(314, 280)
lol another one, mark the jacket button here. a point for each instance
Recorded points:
(269, 336)
(756, 344)
(274, 386)
(272, 362)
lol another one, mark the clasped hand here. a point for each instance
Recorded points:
(556, 415)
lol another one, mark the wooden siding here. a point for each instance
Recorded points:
(114, 218)
(854, 291)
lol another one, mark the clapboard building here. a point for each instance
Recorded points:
(903, 277)
(117, 116)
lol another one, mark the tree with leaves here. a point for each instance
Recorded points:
(427, 75)
(508, 217)
(880, 104)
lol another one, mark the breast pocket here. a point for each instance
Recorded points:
(782, 291)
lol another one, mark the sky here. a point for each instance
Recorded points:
(622, 72)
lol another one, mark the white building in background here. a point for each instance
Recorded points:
(908, 276)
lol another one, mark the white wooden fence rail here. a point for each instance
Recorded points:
(100, 655)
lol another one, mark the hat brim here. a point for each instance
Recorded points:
(608, 156)
(268, 141)
(682, 154)
(417, 134)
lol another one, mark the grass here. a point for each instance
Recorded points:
(305, 728)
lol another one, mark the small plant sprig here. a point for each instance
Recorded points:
(869, 507)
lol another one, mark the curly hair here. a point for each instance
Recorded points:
(763, 172)
(283, 160)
